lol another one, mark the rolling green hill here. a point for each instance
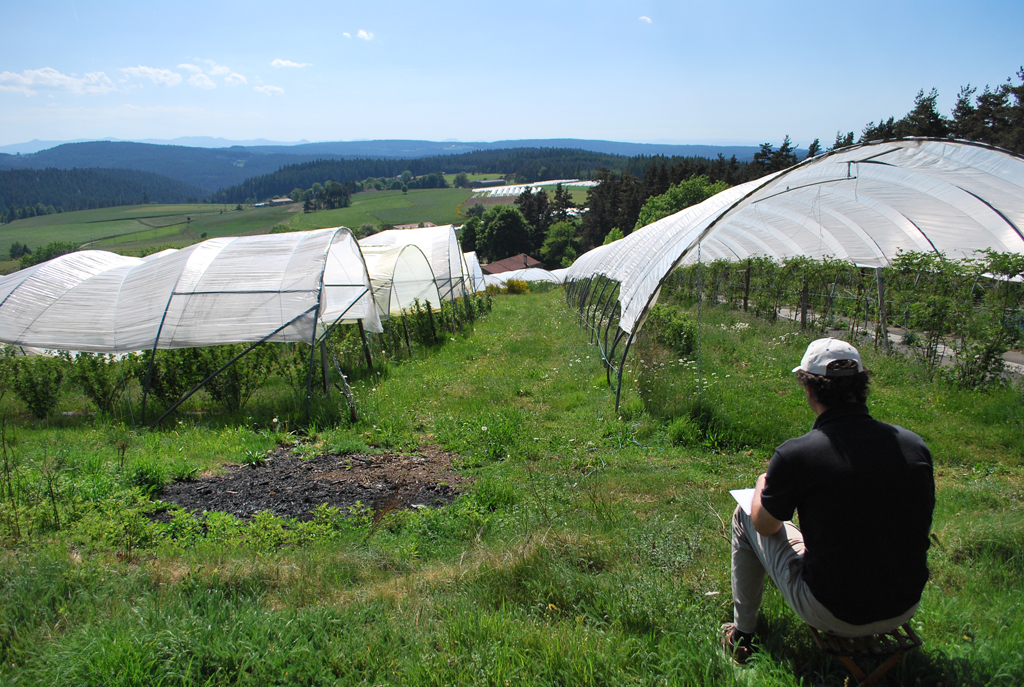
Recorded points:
(81, 189)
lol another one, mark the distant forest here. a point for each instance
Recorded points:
(31, 192)
(518, 164)
(208, 168)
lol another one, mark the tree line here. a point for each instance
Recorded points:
(551, 228)
(516, 165)
(994, 116)
(31, 192)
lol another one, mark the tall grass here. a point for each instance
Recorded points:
(587, 549)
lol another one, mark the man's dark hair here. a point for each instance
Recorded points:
(840, 390)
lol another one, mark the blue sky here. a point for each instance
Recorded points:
(644, 71)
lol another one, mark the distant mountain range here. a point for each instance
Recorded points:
(35, 145)
(406, 148)
(213, 168)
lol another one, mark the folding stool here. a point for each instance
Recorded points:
(887, 647)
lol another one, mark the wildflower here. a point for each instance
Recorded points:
(484, 428)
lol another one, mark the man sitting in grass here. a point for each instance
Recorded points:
(864, 494)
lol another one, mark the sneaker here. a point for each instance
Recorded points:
(739, 645)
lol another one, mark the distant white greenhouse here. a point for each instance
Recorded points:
(441, 248)
(517, 189)
(530, 274)
(400, 275)
(475, 273)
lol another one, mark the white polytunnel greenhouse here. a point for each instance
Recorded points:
(863, 204)
(400, 275)
(529, 274)
(441, 248)
(476, 274)
(280, 287)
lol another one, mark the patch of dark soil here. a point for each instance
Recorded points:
(292, 487)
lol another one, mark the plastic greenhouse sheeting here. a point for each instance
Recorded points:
(280, 287)
(440, 246)
(400, 275)
(560, 273)
(477, 275)
(863, 204)
(529, 274)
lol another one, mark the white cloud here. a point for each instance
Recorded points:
(94, 83)
(164, 77)
(646, 19)
(202, 81)
(234, 79)
(288, 63)
(365, 35)
(190, 67)
(216, 69)
(269, 90)
(346, 34)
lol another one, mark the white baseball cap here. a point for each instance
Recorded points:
(824, 351)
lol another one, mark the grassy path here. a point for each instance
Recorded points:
(589, 550)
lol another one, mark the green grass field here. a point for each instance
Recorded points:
(135, 227)
(389, 207)
(591, 547)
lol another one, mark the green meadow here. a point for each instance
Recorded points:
(589, 547)
(439, 206)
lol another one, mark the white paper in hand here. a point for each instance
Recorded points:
(744, 497)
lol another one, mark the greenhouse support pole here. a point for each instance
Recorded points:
(804, 295)
(309, 368)
(430, 316)
(746, 286)
(152, 353)
(346, 391)
(883, 327)
(622, 364)
(700, 301)
(325, 371)
(366, 345)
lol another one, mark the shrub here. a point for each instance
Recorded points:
(672, 329)
(516, 287)
(174, 372)
(37, 381)
(99, 378)
(421, 324)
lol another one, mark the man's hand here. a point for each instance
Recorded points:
(764, 522)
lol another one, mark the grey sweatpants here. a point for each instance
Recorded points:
(782, 556)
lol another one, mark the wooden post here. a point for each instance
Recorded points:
(324, 368)
(860, 291)
(746, 286)
(433, 329)
(883, 327)
(405, 328)
(803, 306)
(366, 345)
